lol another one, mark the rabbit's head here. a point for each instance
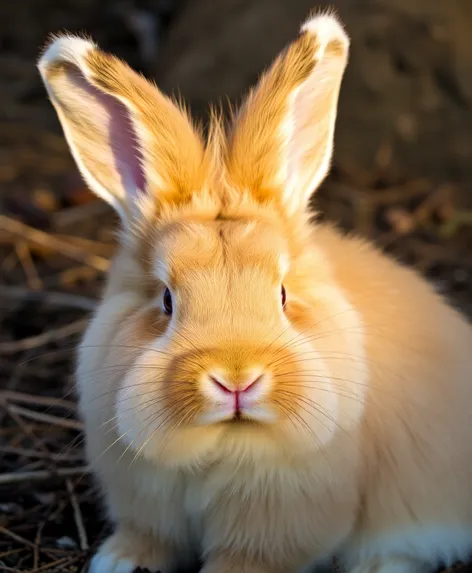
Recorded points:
(211, 325)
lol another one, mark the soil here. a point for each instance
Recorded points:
(402, 175)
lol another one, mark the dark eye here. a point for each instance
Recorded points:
(284, 296)
(167, 300)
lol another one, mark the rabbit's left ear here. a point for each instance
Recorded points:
(282, 139)
(128, 139)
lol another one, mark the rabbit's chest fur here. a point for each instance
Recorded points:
(304, 510)
(309, 508)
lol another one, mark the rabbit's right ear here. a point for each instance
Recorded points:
(281, 143)
(127, 138)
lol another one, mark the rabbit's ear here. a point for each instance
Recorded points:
(282, 137)
(127, 138)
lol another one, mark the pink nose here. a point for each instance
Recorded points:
(222, 386)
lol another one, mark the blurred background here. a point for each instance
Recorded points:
(402, 176)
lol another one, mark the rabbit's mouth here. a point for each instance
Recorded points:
(240, 419)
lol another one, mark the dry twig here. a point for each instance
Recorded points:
(40, 475)
(44, 338)
(34, 454)
(44, 240)
(52, 298)
(79, 522)
(24, 398)
(24, 256)
(45, 418)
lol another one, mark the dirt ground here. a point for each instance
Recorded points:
(402, 175)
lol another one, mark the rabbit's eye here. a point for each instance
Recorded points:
(167, 301)
(284, 296)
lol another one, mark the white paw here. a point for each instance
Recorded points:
(126, 550)
(392, 565)
(105, 562)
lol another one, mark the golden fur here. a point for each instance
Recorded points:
(357, 441)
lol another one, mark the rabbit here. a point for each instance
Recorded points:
(260, 390)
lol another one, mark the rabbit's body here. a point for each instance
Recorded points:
(258, 391)
(375, 489)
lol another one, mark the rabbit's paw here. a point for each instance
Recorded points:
(125, 551)
(392, 565)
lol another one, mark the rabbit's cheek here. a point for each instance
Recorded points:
(140, 409)
(307, 397)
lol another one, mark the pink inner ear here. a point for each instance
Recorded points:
(125, 144)
(121, 138)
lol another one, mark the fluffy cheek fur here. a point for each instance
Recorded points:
(318, 382)
(106, 353)
(153, 420)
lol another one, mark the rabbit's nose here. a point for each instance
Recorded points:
(228, 388)
(237, 394)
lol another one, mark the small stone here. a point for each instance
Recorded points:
(66, 543)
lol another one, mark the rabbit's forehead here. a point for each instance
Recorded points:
(183, 248)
